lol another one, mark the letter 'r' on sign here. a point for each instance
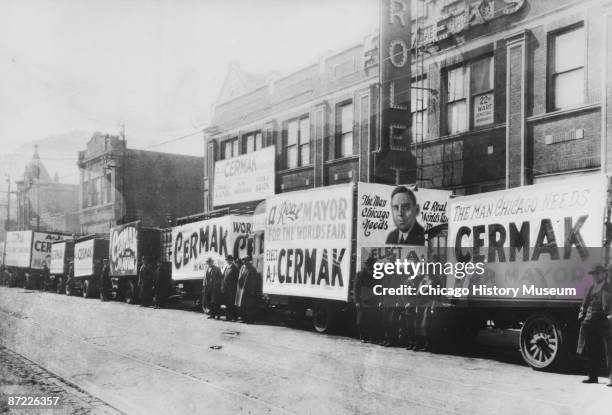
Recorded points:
(397, 11)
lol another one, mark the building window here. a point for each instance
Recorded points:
(297, 148)
(345, 130)
(253, 142)
(469, 95)
(109, 188)
(418, 108)
(304, 141)
(229, 149)
(268, 137)
(456, 105)
(250, 143)
(567, 68)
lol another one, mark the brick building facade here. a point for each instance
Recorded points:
(541, 67)
(320, 121)
(504, 94)
(120, 185)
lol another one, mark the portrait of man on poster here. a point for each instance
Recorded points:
(405, 209)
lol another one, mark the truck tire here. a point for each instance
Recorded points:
(130, 292)
(542, 342)
(323, 316)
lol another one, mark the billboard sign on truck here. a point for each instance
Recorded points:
(28, 249)
(193, 243)
(18, 248)
(41, 248)
(84, 258)
(538, 239)
(377, 223)
(58, 255)
(123, 250)
(308, 250)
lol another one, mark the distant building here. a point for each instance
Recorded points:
(44, 203)
(120, 185)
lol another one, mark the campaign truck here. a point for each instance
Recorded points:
(313, 239)
(62, 253)
(130, 243)
(27, 252)
(536, 245)
(194, 242)
(89, 252)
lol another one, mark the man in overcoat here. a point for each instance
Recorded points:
(229, 286)
(145, 282)
(595, 325)
(212, 288)
(248, 290)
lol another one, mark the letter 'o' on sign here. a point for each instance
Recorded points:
(398, 53)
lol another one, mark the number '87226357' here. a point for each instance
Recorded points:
(17, 401)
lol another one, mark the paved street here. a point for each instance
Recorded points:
(22, 377)
(146, 361)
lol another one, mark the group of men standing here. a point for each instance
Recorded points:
(393, 320)
(154, 283)
(237, 287)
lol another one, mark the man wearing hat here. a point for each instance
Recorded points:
(595, 324)
(229, 286)
(213, 298)
(248, 289)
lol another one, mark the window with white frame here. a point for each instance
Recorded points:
(469, 95)
(481, 91)
(456, 100)
(567, 68)
(291, 152)
(253, 142)
(418, 108)
(229, 149)
(345, 130)
(250, 143)
(304, 141)
(297, 142)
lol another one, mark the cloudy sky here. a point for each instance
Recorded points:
(155, 65)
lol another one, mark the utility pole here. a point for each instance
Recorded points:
(7, 227)
(8, 203)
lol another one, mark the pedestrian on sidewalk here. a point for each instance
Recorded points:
(229, 287)
(595, 325)
(105, 281)
(365, 301)
(248, 290)
(145, 282)
(212, 289)
(161, 284)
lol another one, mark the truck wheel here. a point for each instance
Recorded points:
(323, 316)
(130, 293)
(542, 342)
(86, 289)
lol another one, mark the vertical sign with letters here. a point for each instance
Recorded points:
(395, 41)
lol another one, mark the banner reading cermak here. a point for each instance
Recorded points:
(545, 236)
(308, 243)
(244, 178)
